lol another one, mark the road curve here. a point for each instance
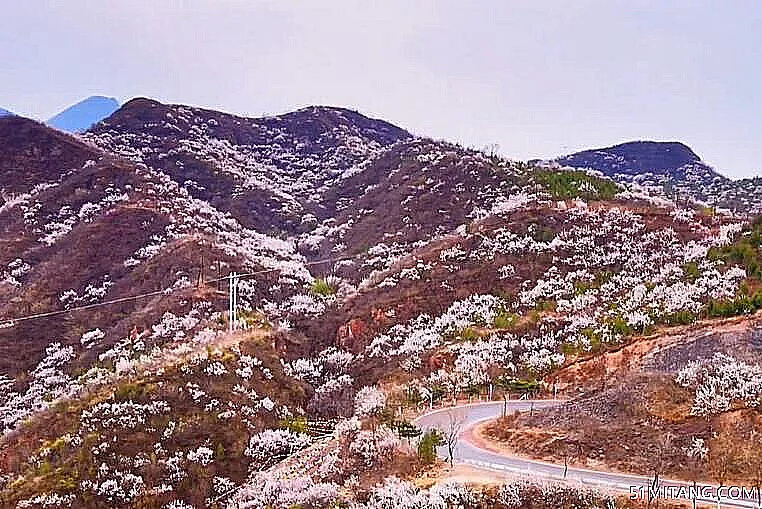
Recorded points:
(466, 452)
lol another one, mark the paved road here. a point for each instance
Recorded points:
(467, 452)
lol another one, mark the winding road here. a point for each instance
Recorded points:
(468, 416)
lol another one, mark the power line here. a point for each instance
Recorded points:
(11, 322)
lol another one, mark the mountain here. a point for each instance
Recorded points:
(377, 266)
(78, 226)
(81, 116)
(5, 113)
(636, 158)
(268, 172)
(673, 169)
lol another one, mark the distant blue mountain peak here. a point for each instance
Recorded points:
(84, 114)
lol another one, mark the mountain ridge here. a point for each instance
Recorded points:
(268, 172)
(638, 155)
(671, 168)
(375, 263)
(84, 114)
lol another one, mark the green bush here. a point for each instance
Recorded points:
(253, 318)
(594, 337)
(134, 391)
(575, 184)
(324, 286)
(581, 287)
(505, 320)
(427, 446)
(407, 430)
(691, 271)
(744, 250)
(219, 452)
(540, 233)
(619, 325)
(468, 334)
(519, 385)
(570, 349)
(296, 424)
(437, 392)
(603, 277)
(683, 317)
(45, 468)
(741, 305)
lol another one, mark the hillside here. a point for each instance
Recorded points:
(384, 271)
(79, 227)
(269, 173)
(683, 404)
(671, 169)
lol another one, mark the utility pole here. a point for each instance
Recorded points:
(201, 271)
(232, 301)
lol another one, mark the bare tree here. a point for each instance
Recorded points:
(752, 462)
(451, 432)
(696, 455)
(723, 458)
(572, 450)
(492, 149)
(661, 453)
(751, 455)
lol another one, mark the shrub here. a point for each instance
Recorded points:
(581, 287)
(620, 326)
(296, 424)
(427, 446)
(219, 452)
(682, 317)
(325, 286)
(133, 392)
(744, 250)
(742, 304)
(468, 334)
(407, 430)
(517, 385)
(575, 184)
(505, 320)
(253, 318)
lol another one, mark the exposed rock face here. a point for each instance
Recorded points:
(350, 336)
(742, 340)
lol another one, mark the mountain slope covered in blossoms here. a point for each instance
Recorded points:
(80, 226)
(671, 169)
(384, 272)
(268, 173)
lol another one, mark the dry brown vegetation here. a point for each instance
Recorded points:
(642, 426)
(618, 428)
(70, 464)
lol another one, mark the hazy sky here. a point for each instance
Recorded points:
(540, 78)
